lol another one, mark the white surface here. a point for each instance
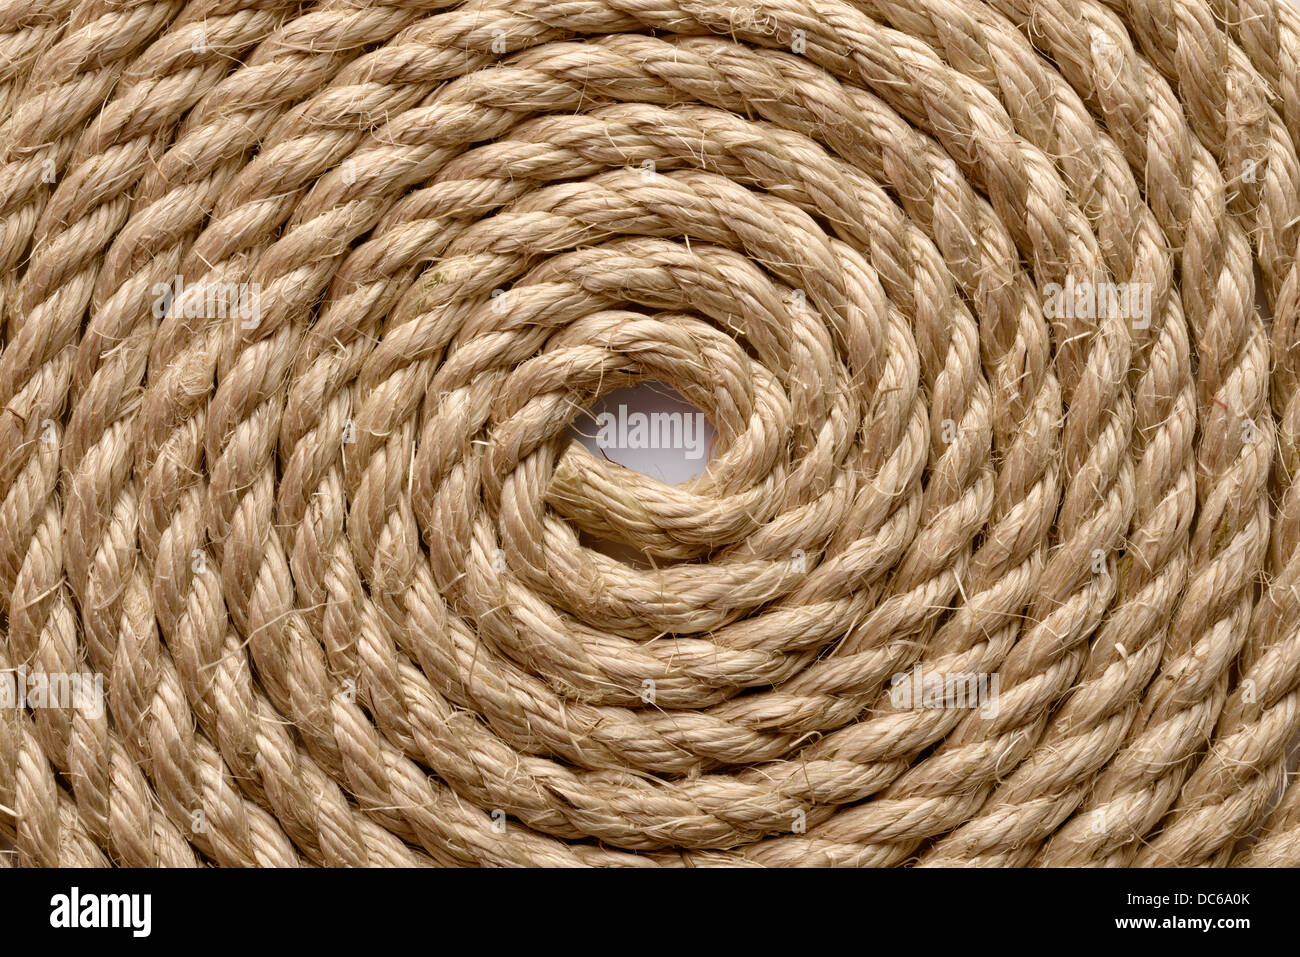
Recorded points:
(674, 465)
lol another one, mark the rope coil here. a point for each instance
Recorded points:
(299, 303)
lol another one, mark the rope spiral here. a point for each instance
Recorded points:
(338, 562)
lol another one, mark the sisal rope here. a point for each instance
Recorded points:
(338, 566)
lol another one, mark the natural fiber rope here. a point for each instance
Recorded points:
(335, 566)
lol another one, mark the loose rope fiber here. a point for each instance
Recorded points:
(346, 578)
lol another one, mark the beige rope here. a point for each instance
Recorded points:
(335, 562)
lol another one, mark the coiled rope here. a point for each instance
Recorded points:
(336, 559)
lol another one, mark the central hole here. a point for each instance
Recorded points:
(650, 429)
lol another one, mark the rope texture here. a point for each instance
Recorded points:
(337, 564)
